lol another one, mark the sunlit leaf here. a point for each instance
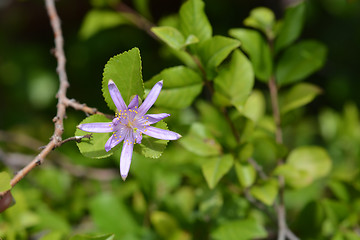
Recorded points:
(4, 181)
(171, 36)
(180, 88)
(304, 165)
(254, 44)
(266, 192)
(152, 147)
(98, 20)
(291, 26)
(254, 107)
(215, 168)
(299, 95)
(165, 224)
(193, 20)
(299, 61)
(239, 230)
(125, 70)
(95, 146)
(261, 18)
(213, 51)
(246, 174)
(200, 141)
(235, 80)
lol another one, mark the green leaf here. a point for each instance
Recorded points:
(254, 108)
(235, 80)
(239, 230)
(170, 35)
(299, 95)
(304, 165)
(98, 20)
(152, 147)
(291, 27)
(213, 51)
(94, 147)
(181, 86)
(93, 237)
(256, 47)
(266, 192)
(200, 141)
(165, 224)
(261, 18)
(125, 70)
(4, 181)
(246, 174)
(215, 121)
(215, 168)
(193, 20)
(110, 214)
(299, 61)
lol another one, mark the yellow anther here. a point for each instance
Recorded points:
(147, 118)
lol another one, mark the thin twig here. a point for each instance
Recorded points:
(280, 207)
(63, 101)
(137, 19)
(75, 138)
(258, 169)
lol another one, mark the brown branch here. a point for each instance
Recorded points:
(63, 101)
(138, 20)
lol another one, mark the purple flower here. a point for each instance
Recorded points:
(130, 123)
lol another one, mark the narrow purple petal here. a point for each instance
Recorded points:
(161, 133)
(154, 118)
(151, 98)
(134, 102)
(114, 140)
(116, 96)
(126, 155)
(99, 127)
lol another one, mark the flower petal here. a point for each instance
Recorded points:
(114, 140)
(134, 102)
(116, 96)
(154, 118)
(161, 133)
(125, 159)
(98, 127)
(151, 98)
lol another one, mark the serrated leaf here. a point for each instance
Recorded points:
(213, 51)
(152, 147)
(94, 147)
(239, 230)
(246, 174)
(235, 80)
(299, 61)
(261, 18)
(193, 20)
(98, 20)
(200, 141)
(93, 237)
(215, 168)
(291, 27)
(4, 181)
(170, 35)
(125, 70)
(258, 50)
(266, 192)
(181, 86)
(299, 95)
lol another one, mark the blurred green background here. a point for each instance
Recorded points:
(28, 84)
